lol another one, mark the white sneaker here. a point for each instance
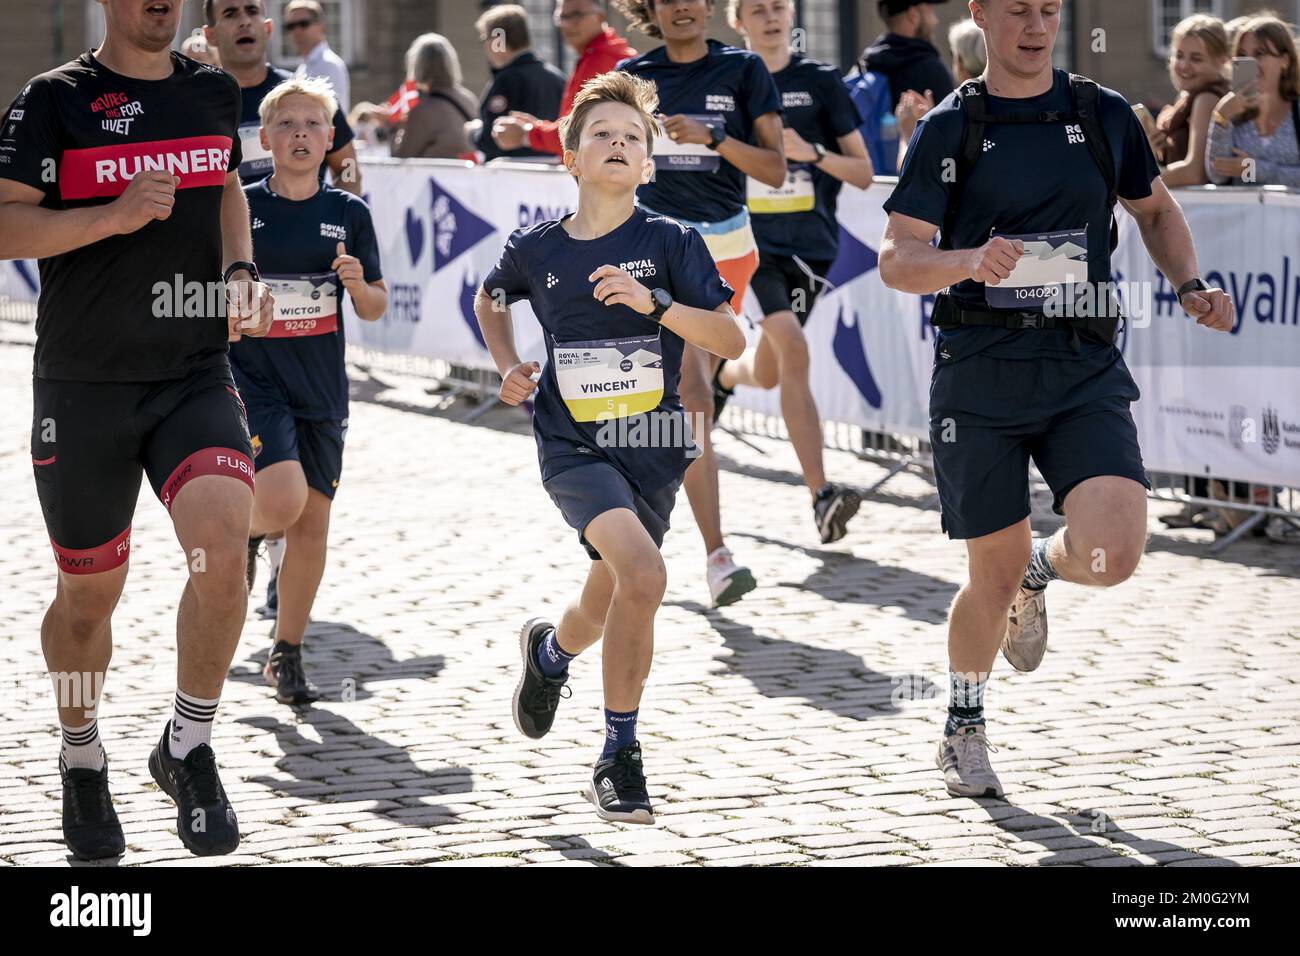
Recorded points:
(964, 760)
(1025, 639)
(728, 581)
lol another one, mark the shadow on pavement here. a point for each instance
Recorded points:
(1073, 825)
(348, 765)
(831, 680)
(848, 579)
(336, 654)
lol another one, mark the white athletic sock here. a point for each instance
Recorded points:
(275, 552)
(82, 747)
(191, 723)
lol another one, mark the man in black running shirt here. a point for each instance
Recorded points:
(118, 171)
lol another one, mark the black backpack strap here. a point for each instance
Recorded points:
(975, 119)
(1295, 120)
(440, 95)
(1087, 110)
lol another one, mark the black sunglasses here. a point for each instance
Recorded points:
(299, 25)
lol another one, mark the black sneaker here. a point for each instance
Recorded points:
(205, 820)
(271, 608)
(618, 788)
(720, 394)
(254, 545)
(90, 825)
(537, 696)
(284, 672)
(834, 507)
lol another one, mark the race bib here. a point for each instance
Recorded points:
(676, 157)
(304, 305)
(256, 161)
(1053, 263)
(614, 378)
(793, 195)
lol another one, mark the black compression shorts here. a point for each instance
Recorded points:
(91, 441)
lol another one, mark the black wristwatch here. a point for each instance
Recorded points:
(662, 303)
(234, 267)
(1192, 285)
(820, 150)
(716, 136)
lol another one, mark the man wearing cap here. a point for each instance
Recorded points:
(904, 54)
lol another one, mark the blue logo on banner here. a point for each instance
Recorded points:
(855, 260)
(468, 290)
(455, 228)
(24, 270)
(414, 236)
(852, 356)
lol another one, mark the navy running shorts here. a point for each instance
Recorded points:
(92, 441)
(317, 445)
(989, 417)
(781, 283)
(584, 492)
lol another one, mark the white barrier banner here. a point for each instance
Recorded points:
(1226, 405)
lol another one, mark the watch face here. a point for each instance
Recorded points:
(661, 299)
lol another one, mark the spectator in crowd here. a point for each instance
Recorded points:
(969, 58)
(583, 25)
(1198, 56)
(905, 55)
(304, 21)
(196, 48)
(1255, 136)
(435, 126)
(369, 122)
(1234, 26)
(520, 80)
(240, 31)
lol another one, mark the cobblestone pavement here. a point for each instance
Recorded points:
(797, 727)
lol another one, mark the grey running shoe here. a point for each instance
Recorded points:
(1025, 640)
(964, 759)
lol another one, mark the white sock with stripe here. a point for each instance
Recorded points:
(275, 552)
(191, 723)
(82, 747)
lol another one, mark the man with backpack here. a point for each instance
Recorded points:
(1020, 170)
(902, 59)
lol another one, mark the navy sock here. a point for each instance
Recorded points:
(620, 731)
(551, 658)
(965, 701)
(1040, 571)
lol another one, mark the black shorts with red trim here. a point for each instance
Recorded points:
(92, 441)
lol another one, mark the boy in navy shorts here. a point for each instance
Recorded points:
(618, 292)
(315, 243)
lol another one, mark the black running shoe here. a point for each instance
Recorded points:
(271, 608)
(537, 696)
(834, 506)
(618, 788)
(205, 820)
(284, 672)
(720, 394)
(90, 825)
(254, 545)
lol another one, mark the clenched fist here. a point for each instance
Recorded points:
(995, 260)
(150, 195)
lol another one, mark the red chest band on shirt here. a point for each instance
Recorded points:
(107, 170)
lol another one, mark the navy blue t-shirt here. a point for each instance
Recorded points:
(729, 88)
(1031, 179)
(817, 107)
(299, 365)
(611, 373)
(256, 163)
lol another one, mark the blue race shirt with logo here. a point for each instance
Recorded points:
(610, 371)
(256, 163)
(815, 105)
(1031, 179)
(730, 88)
(299, 366)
